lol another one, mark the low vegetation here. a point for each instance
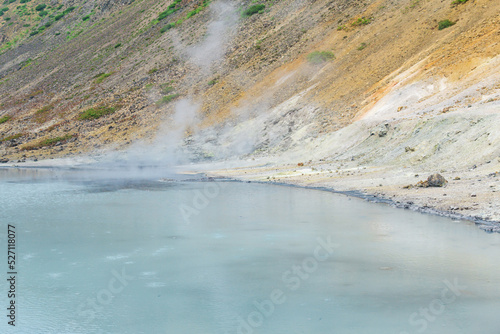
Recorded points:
(11, 137)
(101, 77)
(362, 46)
(165, 89)
(43, 114)
(49, 142)
(167, 27)
(459, 2)
(98, 112)
(361, 21)
(4, 119)
(44, 109)
(166, 99)
(254, 10)
(445, 24)
(174, 8)
(319, 57)
(170, 10)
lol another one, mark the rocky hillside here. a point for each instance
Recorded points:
(220, 79)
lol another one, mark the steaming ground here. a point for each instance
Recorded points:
(431, 117)
(380, 155)
(388, 149)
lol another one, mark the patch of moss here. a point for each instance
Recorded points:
(166, 99)
(254, 10)
(49, 142)
(318, 57)
(95, 113)
(4, 119)
(17, 135)
(101, 77)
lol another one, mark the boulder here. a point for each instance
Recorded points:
(436, 180)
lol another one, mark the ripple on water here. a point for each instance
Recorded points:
(161, 251)
(116, 257)
(155, 285)
(55, 275)
(28, 256)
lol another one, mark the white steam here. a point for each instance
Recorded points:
(212, 48)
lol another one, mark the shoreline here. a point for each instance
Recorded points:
(396, 196)
(313, 177)
(487, 226)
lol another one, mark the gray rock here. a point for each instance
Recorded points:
(436, 180)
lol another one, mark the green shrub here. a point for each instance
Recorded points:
(445, 24)
(86, 17)
(4, 119)
(40, 7)
(6, 18)
(212, 82)
(167, 13)
(45, 109)
(95, 113)
(198, 9)
(166, 89)
(166, 99)
(17, 135)
(153, 70)
(34, 32)
(43, 13)
(362, 46)
(361, 22)
(68, 10)
(101, 77)
(318, 57)
(459, 2)
(24, 1)
(167, 27)
(253, 10)
(48, 24)
(118, 45)
(59, 16)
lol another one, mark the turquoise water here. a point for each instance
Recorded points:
(143, 256)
